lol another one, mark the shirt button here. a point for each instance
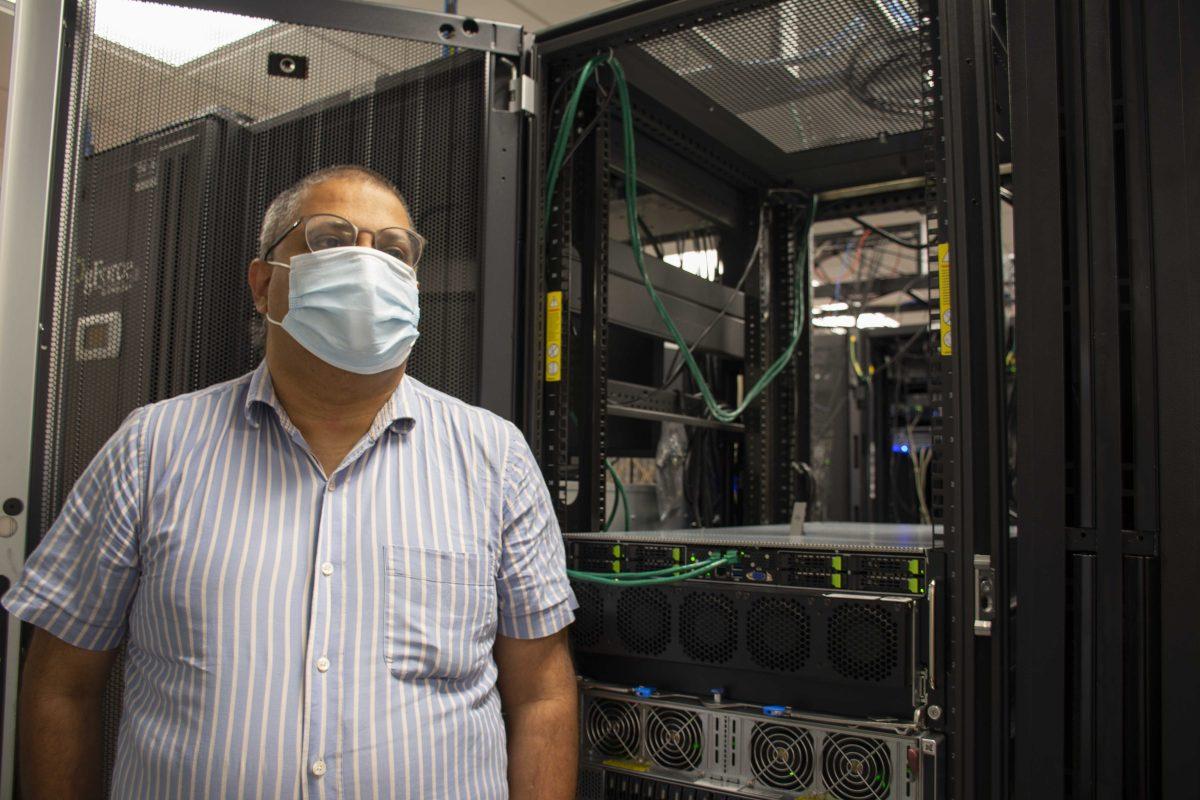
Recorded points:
(327, 568)
(329, 486)
(322, 664)
(318, 768)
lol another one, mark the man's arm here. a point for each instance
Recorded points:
(59, 721)
(539, 700)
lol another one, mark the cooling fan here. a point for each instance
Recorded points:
(781, 756)
(674, 738)
(613, 728)
(856, 768)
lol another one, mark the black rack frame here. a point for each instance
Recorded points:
(974, 443)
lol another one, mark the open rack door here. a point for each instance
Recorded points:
(138, 169)
(1108, 644)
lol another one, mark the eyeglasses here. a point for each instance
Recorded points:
(323, 231)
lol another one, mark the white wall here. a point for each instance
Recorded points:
(6, 37)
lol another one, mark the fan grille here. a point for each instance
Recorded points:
(613, 728)
(674, 738)
(589, 617)
(781, 756)
(708, 627)
(644, 620)
(863, 641)
(779, 634)
(856, 768)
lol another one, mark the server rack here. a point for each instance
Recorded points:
(699, 153)
(696, 133)
(407, 126)
(154, 263)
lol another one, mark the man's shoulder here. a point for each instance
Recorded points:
(459, 412)
(225, 397)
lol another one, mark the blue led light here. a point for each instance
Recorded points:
(903, 448)
(643, 691)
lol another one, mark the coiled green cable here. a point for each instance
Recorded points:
(557, 158)
(622, 498)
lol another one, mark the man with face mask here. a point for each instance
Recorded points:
(333, 581)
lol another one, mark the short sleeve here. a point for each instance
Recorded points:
(79, 582)
(535, 597)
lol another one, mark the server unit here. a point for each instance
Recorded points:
(681, 748)
(835, 621)
(157, 302)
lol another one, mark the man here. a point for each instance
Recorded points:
(333, 579)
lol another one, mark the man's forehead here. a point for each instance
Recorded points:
(363, 202)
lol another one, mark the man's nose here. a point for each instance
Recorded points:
(365, 239)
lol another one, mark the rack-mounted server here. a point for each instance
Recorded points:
(680, 748)
(758, 630)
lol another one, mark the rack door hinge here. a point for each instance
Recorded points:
(985, 595)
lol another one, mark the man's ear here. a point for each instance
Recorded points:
(259, 278)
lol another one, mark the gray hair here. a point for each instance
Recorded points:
(285, 208)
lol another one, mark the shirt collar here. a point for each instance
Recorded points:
(396, 414)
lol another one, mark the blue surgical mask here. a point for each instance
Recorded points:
(353, 307)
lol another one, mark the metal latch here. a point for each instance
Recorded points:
(528, 99)
(513, 92)
(985, 595)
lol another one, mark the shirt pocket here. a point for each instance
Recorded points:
(440, 612)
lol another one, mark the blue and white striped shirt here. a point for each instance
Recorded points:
(293, 636)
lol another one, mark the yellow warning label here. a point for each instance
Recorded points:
(632, 766)
(554, 336)
(943, 252)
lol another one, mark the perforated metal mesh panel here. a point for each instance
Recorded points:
(779, 634)
(170, 166)
(589, 617)
(863, 642)
(708, 627)
(644, 620)
(806, 73)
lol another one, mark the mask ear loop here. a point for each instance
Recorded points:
(265, 314)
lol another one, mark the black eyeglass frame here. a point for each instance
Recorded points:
(306, 218)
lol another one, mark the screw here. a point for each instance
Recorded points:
(934, 712)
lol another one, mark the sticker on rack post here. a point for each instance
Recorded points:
(943, 257)
(554, 336)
